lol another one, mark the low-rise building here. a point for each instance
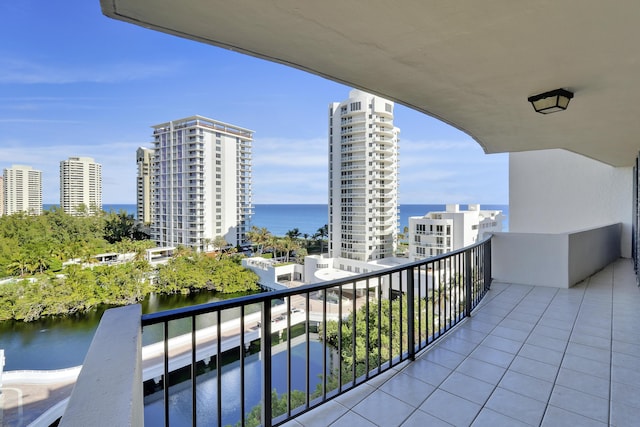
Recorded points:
(444, 231)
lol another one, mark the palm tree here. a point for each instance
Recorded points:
(293, 234)
(19, 263)
(275, 244)
(287, 245)
(321, 234)
(259, 237)
(182, 251)
(40, 262)
(220, 243)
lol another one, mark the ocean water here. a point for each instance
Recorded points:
(280, 218)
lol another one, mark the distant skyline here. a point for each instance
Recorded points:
(76, 83)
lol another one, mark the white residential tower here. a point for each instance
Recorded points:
(22, 189)
(363, 178)
(202, 183)
(80, 186)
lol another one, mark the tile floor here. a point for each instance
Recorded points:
(528, 356)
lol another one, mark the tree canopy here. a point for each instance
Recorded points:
(38, 246)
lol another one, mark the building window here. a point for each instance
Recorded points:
(356, 106)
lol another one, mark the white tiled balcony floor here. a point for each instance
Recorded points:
(527, 356)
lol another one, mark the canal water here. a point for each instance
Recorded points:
(180, 408)
(57, 343)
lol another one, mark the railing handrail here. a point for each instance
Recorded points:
(422, 301)
(194, 310)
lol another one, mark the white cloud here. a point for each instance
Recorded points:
(18, 71)
(431, 171)
(290, 170)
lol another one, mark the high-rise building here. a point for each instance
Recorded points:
(440, 232)
(144, 160)
(80, 186)
(202, 183)
(1, 195)
(363, 178)
(22, 190)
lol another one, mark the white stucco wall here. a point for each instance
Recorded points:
(556, 191)
(553, 259)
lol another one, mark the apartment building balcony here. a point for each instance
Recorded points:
(357, 166)
(526, 355)
(352, 129)
(353, 119)
(353, 148)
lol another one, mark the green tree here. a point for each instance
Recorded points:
(19, 263)
(118, 226)
(293, 234)
(259, 237)
(321, 234)
(220, 244)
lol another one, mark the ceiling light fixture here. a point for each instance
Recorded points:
(550, 102)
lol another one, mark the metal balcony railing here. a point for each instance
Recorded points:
(298, 348)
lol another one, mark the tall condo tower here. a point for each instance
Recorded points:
(22, 190)
(363, 178)
(144, 184)
(1, 195)
(80, 186)
(202, 183)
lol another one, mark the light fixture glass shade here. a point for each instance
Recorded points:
(550, 102)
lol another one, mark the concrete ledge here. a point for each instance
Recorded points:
(556, 260)
(41, 377)
(108, 391)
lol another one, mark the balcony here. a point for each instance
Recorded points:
(527, 355)
(549, 356)
(428, 318)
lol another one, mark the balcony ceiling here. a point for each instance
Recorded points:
(469, 63)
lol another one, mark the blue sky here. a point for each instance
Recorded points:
(76, 83)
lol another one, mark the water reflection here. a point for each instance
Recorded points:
(207, 392)
(57, 343)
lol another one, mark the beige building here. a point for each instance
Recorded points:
(22, 190)
(144, 184)
(80, 186)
